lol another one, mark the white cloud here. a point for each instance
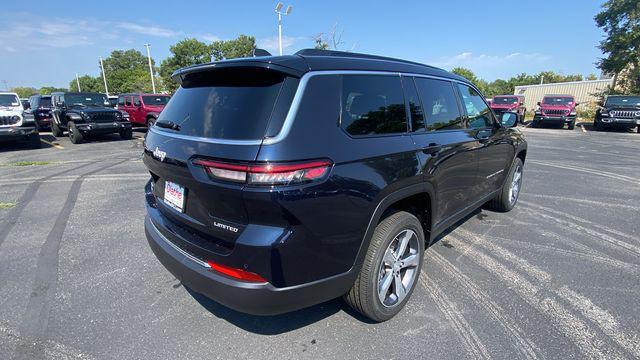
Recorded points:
(271, 43)
(66, 33)
(148, 29)
(209, 37)
(484, 61)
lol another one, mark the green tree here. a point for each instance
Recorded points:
(620, 20)
(24, 92)
(88, 83)
(465, 73)
(47, 90)
(127, 71)
(242, 46)
(592, 77)
(184, 53)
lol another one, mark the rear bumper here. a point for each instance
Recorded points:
(251, 298)
(15, 133)
(103, 128)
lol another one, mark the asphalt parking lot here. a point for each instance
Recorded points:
(555, 278)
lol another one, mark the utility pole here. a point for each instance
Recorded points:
(104, 77)
(78, 82)
(542, 80)
(153, 82)
(286, 12)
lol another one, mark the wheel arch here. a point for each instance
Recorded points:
(417, 199)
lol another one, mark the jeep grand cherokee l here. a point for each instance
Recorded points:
(556, 110)
(619, 111)
(86, 114)
(281, 182)
(15, 123)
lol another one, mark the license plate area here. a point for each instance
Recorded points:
(174, 195)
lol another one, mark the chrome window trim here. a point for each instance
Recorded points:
(176, 248)
(295, 106)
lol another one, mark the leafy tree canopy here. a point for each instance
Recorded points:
(184, 53)
(620, 20)
(242, 46)
(127, 71)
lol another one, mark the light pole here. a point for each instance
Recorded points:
(286, 12)
(153, 82)
(78, 82)
(104, 77)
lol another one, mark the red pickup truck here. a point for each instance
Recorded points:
(143, 109)
(511, 103)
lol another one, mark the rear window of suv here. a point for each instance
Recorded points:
(230, 104)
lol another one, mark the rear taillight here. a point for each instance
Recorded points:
(266, 174)
(236, 273)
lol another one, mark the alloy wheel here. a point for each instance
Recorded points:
(398, 270)
(516, 183)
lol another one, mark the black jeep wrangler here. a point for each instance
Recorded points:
(86, 114)
(618, 111)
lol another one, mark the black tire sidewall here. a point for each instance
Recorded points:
(74, 134)
(406, 221)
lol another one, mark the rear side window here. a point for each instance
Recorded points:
(127, 101)
(440, 104)
(231, 104)
(477, 110)
(373, 105)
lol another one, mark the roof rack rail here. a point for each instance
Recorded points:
(319, 52)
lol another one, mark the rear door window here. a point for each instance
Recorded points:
(136, 101)
(373, 105)
(440, 104)
(127, 101)
(231, 104)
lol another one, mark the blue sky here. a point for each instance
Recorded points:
(46, 42)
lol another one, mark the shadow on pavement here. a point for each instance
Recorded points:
(277, 324)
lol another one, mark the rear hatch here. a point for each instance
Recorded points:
(218, 116)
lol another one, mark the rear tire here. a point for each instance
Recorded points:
(382, 267)
(74, 134)
(57, 132)
(34, 141)
(508, 195)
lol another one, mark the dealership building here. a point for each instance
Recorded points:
(585, 92)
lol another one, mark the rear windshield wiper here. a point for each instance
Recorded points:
(167, 124)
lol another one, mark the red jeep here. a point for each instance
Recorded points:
(556, 110)
(143, 109)
(511, 103)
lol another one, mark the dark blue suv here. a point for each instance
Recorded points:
(281, 182)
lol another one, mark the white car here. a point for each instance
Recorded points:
(15, 123)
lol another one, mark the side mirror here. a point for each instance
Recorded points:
(509, 119)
